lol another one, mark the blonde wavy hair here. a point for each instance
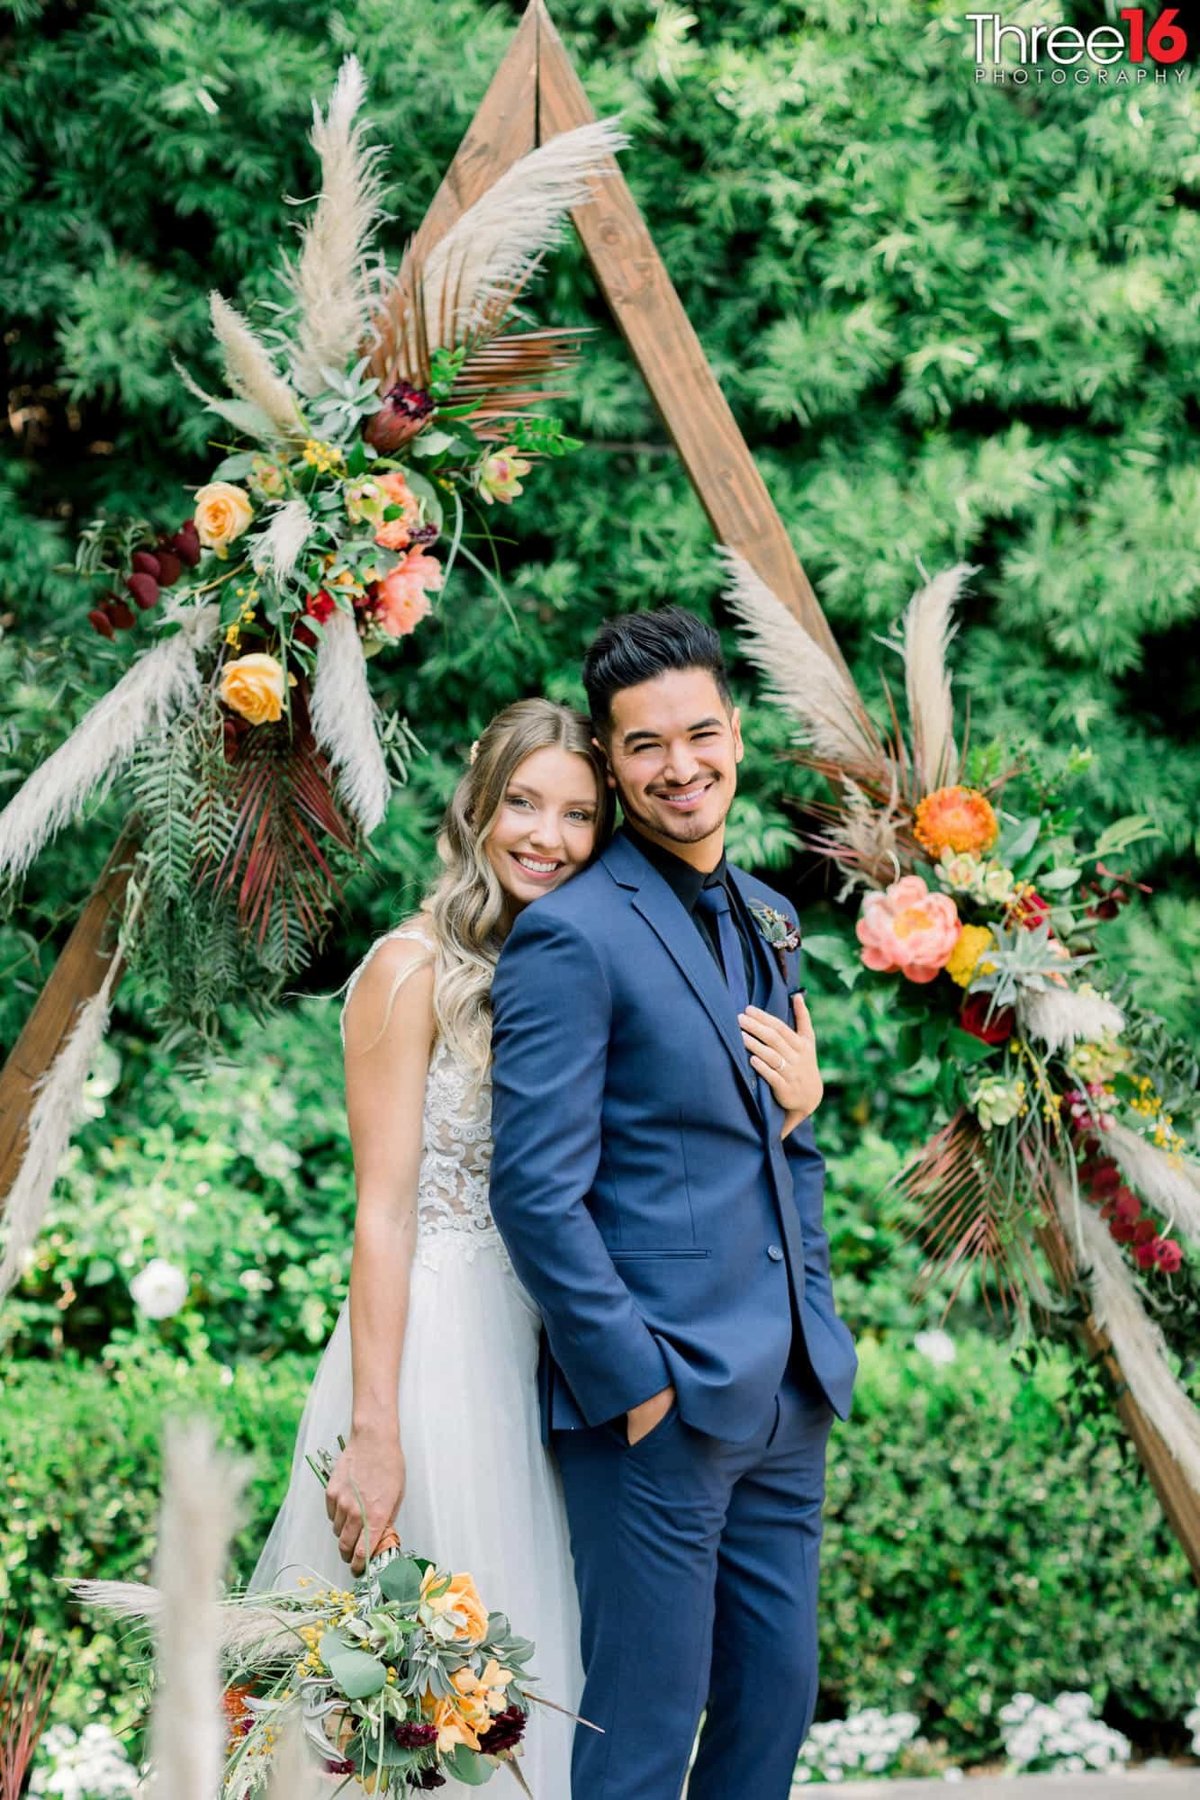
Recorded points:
(466, 906)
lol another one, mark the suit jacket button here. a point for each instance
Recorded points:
(775, 1253)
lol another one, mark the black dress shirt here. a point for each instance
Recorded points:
(686, 883)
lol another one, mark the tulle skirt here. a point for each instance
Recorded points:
(483, 1493)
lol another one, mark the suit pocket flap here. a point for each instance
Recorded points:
(624, 1255)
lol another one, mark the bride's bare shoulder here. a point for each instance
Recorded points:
(392, 986)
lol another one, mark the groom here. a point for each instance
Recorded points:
(672, 1237)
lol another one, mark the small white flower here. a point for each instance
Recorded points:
(935, 1346)
(160, 1289)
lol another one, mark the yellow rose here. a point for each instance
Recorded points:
(965, 958)
(222, 514)
(253, 686)
(460, 1597)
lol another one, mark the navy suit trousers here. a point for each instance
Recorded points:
(696, 1562)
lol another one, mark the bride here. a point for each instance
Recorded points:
(430, 1374)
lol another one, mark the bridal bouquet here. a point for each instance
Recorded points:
(359, 431)
(400, 1682)
(982, 904)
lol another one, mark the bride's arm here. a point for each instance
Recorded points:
(389, 1035)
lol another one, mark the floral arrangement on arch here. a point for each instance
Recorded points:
(359, 431)
(982, 905)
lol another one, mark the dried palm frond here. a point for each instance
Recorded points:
(802, 678)
(863, 836)
(26, 1692)
(329, 278)
(250, 371)
(966, 1214)
(279, 792)
(928, 627)
(460, 290)
(508, 373)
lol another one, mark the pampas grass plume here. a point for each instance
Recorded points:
(201, 1492)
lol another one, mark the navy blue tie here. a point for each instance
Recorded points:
(715, 902)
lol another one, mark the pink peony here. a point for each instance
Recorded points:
(908, 929)
(402, 602)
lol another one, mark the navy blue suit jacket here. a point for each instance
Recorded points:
(665, 1229)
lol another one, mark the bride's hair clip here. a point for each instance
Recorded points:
(473, 753)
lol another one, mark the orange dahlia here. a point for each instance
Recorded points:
(955, 818)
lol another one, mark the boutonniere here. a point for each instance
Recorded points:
(777, 930)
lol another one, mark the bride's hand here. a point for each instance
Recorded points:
(786, 1059)
(372, 1464)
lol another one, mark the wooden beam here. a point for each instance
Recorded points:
(75, 977)
(503, 130)
(640, 294)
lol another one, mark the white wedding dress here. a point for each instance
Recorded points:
(483, 1493)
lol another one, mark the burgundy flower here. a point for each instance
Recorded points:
(1102, 1177)
(414, 1736)
(186, 544)
(341, 1767)
(974, 1018)
(1170, 1255)
(144, 589)
(405, 411)
(1126, 1206)
(505, 1730)
(1121, 1231)
(424, 1779)
(1145, 1232)
(423, 534)
(1146, 1255)
(170, 567)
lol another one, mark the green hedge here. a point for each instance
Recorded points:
(976, 1543)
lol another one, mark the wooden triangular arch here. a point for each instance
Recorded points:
(535, 95)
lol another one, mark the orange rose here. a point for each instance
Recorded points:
(222, 514)
(458, 1603)
(955, 818)
(253, 686)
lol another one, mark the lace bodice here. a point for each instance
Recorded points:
(456, 1143)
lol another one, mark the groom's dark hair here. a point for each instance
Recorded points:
(640, 645)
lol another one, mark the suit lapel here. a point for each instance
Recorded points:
(654, 901)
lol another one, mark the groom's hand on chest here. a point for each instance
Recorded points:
(640, 1420)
